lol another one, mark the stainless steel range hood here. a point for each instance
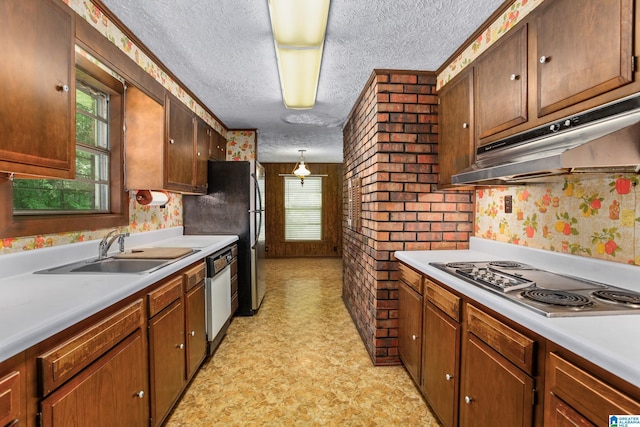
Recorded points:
(602, 140)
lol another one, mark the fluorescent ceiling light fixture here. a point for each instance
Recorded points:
(299, 28)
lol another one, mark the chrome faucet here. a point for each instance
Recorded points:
(106, 243)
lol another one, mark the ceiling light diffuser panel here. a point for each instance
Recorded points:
(299, 28)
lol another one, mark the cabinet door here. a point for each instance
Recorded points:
(501, 85)
(179, 167)
(167, 359)
(493, 389)
(195, 328)
(37, 83)
(218, 147)
(410, 329)
(576, 62)
(203, 138)
(110, 392)
(441, 364)
(455, 113)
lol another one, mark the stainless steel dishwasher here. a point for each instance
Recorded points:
(218, 296)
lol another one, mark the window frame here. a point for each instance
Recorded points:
(28, 225)
(322, 207)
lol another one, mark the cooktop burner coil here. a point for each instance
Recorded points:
(456, 265)
(618, 296)
(506, 264)
(554, 297)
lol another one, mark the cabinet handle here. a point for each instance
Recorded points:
(448, 377)
(62, 87)
(198, 154)
(465, 125)
(544, 59)
(180, 346)
(514, 77)
(192, 333)
(13, 423)
(140, 394)
(468, 400)
(414, 337)
(171, 141)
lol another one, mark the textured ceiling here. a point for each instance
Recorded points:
(223, 51)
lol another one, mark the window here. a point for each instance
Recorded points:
(89, 191)
(303, 209)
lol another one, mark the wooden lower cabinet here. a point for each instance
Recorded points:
(562, 415)
(196, 328)
(441, 364)
(12, 391)
(410, 329)
(166, 359)
(110, 392)
(575, 397)
(493, 391)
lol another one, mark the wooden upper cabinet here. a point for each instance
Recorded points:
(584, 49)
(37, 83)
(501, 85)
(179, 160)
(144, 141)
(455, 118)
(203, 138)
(218, 147)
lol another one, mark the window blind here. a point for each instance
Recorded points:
(303, 209)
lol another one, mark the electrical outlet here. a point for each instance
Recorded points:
(508, 204)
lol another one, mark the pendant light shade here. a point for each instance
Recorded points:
(300, 170)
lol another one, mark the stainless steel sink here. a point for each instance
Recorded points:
(111, 266)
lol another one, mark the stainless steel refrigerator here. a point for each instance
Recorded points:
(234, 204)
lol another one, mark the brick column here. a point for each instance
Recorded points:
(390, 144)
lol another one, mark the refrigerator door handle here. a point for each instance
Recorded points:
(258, 211)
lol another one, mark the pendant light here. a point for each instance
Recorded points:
(300, 170)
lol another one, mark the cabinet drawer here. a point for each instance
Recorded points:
(443, 299)
(514, 346)
(585, 393)
(67, 359)
(411, 277)
(9, 398)
(194, 275)
(164, 295)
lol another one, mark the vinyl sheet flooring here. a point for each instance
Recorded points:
(299, 362)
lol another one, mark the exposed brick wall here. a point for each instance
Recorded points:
(390, 143)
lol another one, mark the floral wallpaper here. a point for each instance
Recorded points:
(597, 217)
(241, 145)
(141, 219)
(516, 12)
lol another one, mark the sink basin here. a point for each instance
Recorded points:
(110, 266)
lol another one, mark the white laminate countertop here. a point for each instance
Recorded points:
(611, 342)
(34, 307)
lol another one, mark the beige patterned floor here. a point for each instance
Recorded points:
(299, 362)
